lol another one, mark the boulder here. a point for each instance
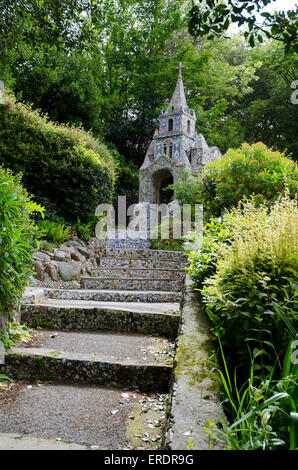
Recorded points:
(41, 257)
(74, 244)
(83, 251)
(65, 271)
(60, 255)
(52, 270)
(39, 270)
(78, 257)
(77, 268)
(69, 271)
(89, 267)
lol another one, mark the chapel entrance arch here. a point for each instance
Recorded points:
(160, 180)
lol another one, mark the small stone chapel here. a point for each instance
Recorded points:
(176, 146)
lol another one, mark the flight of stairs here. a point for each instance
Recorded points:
(94, 334)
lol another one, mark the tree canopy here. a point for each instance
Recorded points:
(111, 66)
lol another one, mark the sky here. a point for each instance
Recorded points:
(280, 5)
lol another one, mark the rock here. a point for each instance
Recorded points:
(83, 269)
(65, 271)
(50, 254)
(77, 267)
(39, 270)
(69, 271)
(52, 271)
(83, 251)
(78, 257)
(41, 257)
(89, 267)
(93, 262)
(74, 244)
(60, 255)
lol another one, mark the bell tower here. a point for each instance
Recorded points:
(175, 147)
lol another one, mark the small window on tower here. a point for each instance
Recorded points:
(188, 126)
(165, 149)
(171, 150)
(170, 125)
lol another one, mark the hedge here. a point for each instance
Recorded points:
(64, 167)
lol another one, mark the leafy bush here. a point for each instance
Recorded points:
(66, 168)
(203, 262)
(52, 231)
(17, 239)
(85, 231)
(127, 175)
(250, 169)
(255, 280)
(186, 189)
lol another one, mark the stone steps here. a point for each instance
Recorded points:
(107, 295)
(124, 317)
(121, 262)
(110, 336)
(44, 364)
(154, 255)
(100, 357)
(139, 284)
(136, 272)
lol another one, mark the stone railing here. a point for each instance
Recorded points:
(195, 398)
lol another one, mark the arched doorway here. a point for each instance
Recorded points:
(160, 180)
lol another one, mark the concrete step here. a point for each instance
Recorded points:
(156, 255)
(55, 416)
(171, 285)
(134, 361)
(121, 262)
(156, 319)
(135, 273)
(111, 295)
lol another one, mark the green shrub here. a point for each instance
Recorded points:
(66, 168)
(186, 189)
(203, 262)
(85, 231)
(240, 173)
(127, 175)
(256, 278)
(17, 239)
(53, 232)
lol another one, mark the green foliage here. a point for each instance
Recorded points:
(52, 231)
(4, 380)
(203, 263)
(251, 169)
(64, 167)
(186, 189)
(85, 231)
(17, 239)
(14, 332)
(213, 17)
(256, 276)
(167, 244)
(261, 415)
(127, 176)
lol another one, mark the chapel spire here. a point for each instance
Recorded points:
(178, 100)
